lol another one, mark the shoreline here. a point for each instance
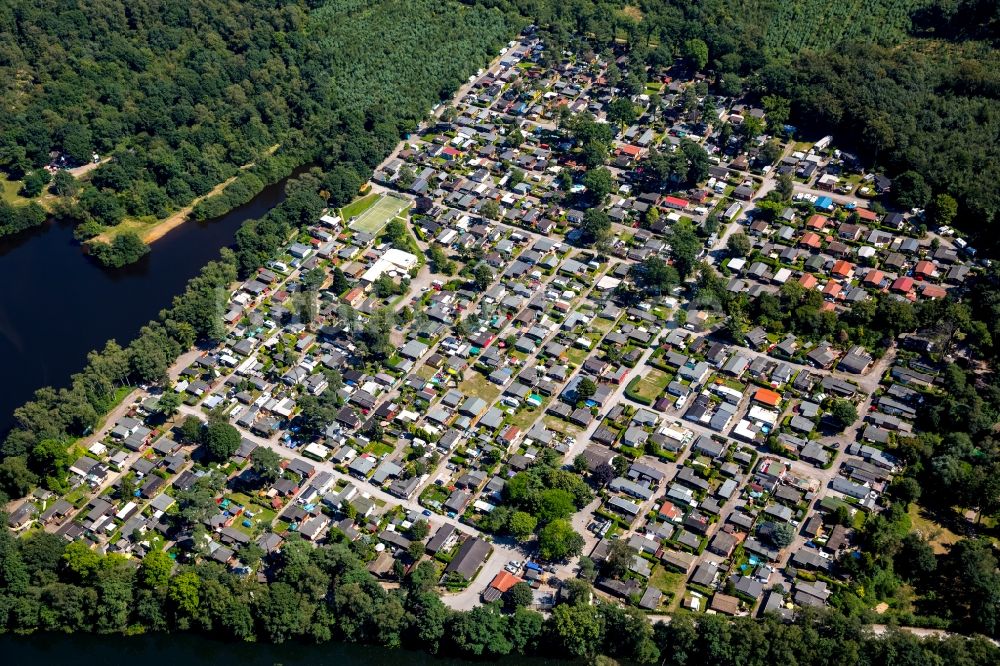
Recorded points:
(152, 232)
(155, 231)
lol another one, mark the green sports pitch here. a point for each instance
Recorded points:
(378, 214)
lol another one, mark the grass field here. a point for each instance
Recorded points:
(479, 386)
(576, 355)
(359, 205)
(940, 537)
(9, 193)
(8, 190)
(668, 582)
(426, 372)
(377, 214)
(556, 424)
(526, 416)
(650, 385)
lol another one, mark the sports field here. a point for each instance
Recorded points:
(378, 214)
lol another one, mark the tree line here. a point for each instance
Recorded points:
(55, 418)
(326, 593)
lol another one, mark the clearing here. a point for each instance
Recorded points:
(937, 535)
(150, 229)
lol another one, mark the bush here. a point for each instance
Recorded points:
(126, 248)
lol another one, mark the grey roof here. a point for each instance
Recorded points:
(471, 555)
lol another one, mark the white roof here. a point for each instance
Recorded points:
(391, 260)
(607, 282)
(762, 415)
(317, 450)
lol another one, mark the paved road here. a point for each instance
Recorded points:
(326, 466)
(841, 199)
(767, 184)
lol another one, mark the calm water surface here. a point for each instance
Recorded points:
(56, 304)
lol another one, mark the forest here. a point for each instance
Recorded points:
(183, 96)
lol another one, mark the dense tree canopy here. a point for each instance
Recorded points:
(181, 96)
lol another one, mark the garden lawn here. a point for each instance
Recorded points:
(481, 387)
(556, 424)
(526, 416)
(668, 582)
(650, 385)
(263, 514)
(577, 356)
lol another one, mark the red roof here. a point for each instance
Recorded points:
(808, 280)
(631, 150)
(933, 291)
(874, 277)
(810, 239)
(817, 221)
(670, 511)
(865, 214)
(504, 580)
(675, 202)
(767, 396)
(832, 288)
(902, 285)
(925, 268)
(843, 268)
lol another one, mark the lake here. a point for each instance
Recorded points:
(56, 304)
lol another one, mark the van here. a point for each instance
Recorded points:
(701, 210)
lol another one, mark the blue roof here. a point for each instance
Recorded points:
(824, 202)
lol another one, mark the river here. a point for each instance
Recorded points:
(56, 304)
